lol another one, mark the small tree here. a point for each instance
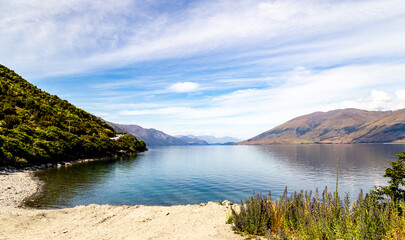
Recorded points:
(397, 183)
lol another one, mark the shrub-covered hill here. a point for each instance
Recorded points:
(34, 127)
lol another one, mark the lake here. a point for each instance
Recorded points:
(178, 175)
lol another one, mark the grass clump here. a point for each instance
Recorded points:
(253, 215)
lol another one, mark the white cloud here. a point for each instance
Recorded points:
(157, 111)
(379, 101)
(66, 36)
(401, 98)
(182, 87)
(235, 25)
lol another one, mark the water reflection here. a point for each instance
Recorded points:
(194, 174)
(67, 182)
(309, 166)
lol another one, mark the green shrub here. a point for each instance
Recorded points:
(395, 191)
(253, 216)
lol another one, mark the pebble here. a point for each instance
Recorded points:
(227, 203)
(17, 187)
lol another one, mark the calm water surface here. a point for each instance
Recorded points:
(193, 174)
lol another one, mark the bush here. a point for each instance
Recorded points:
(253, 216)
(395, 191)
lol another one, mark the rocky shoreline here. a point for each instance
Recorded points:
(16, 186)
(48, 165)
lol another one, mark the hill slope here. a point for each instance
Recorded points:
(36, 127)
(338, 126)
(152, 137)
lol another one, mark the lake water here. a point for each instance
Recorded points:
(178, 175)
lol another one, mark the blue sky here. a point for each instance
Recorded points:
(234, 68)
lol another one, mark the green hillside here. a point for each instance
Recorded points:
(34, 127)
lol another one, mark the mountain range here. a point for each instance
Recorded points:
(150, 136)
(153, 137)
(217, 140)
(192, 140)
(338, 126)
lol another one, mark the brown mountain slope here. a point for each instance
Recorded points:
(337, 126)
(388, 129)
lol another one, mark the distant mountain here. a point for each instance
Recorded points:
(218, 140)
(210, 139)
(37, 127)
(151, 137)
(338, 126)
(192, 140)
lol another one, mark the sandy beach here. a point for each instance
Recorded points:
(204, 221)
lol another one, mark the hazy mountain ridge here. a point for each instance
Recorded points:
(218, 140)
(208, 140)
(192, 140)
(150, 136)
(153, 137)
(338, 126)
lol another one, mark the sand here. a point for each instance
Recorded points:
(204, 221)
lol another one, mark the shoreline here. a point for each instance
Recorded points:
(18, 187)
(31, 168)
(204, 221)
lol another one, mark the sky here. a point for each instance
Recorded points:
(221, 68)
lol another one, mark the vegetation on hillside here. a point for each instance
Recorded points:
(305, 216)
(36, 127)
